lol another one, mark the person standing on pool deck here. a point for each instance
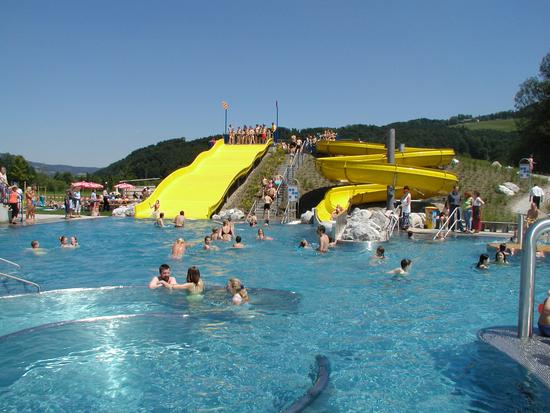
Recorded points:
(477, 205)
(453, 204)
(323, 239)
(536, 195)
(405, 207)
(164, 276)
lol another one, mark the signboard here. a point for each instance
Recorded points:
(524, 170)
(293, 193)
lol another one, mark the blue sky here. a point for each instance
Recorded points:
(87, 82)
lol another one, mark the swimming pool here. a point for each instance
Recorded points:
(394, 344)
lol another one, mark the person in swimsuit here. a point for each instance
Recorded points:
(252, 219)
(194, 284)
(215, 234)
(304, 244)
(544, 318)
(227, 231)
(74, 242)
(179, 220)
(160, 220)
(64, 242)
(501, 257)
(156, 209)
(380, 253)
(208, 244)
(163, 277)
(404, 269)
(178, 248)
(323, 239)
(483, 262)
(237, 290)
(262, 237)
(238, 242)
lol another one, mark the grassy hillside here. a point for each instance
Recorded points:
(481, 176)
(501, 125)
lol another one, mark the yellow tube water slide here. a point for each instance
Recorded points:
(359, 169)
(199, 188)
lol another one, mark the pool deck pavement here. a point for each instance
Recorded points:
(51, 218)
(489, 234)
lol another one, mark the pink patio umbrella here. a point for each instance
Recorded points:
(124, 185)
(87, 185)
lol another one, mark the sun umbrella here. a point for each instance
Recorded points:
(124, 185)
(87, 185)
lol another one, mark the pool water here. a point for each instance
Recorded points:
(394, 343)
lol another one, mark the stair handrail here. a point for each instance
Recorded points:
(446, 225)
(10, 262)
(13, 277)
(394, 222)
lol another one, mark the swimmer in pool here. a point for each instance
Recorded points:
(179, 220)
(35, 244)
(262, 237)
(501, 257)
(35, 248)
(483, 263)
(178, 248)
(252, 219)
(304, 244)
(238, 292)
(160, 220)
(64, 242)
(404, 269)
(194, 284)
(379, 253)
(323, 239)
(163, 277)
(215, 234)
(74, 242)
(238, 242)
(544, 318)
(208, 244)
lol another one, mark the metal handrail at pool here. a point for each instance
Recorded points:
(10, 262)
(22, 280)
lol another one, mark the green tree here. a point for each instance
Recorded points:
(533, 101)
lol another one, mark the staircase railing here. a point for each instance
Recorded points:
(445, 227)
(394, 222)
(10, 262)
(21, 280)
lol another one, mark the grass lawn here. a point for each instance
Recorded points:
(503, 125)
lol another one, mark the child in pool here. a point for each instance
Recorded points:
(238, 292)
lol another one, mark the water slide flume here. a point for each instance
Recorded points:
(199, 189)
(360, 169)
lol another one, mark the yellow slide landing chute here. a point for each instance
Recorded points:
(199, 188)
(409, 170)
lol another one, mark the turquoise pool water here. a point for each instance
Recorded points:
(394, 344)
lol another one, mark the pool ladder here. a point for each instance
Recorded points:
(18, 279)
(445, 226)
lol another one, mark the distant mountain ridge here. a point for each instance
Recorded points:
(51, 170)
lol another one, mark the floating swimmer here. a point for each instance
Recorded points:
(238, 242)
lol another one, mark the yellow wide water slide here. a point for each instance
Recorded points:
(199, 188)
(409, 169)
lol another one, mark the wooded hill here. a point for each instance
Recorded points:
(159, 160)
